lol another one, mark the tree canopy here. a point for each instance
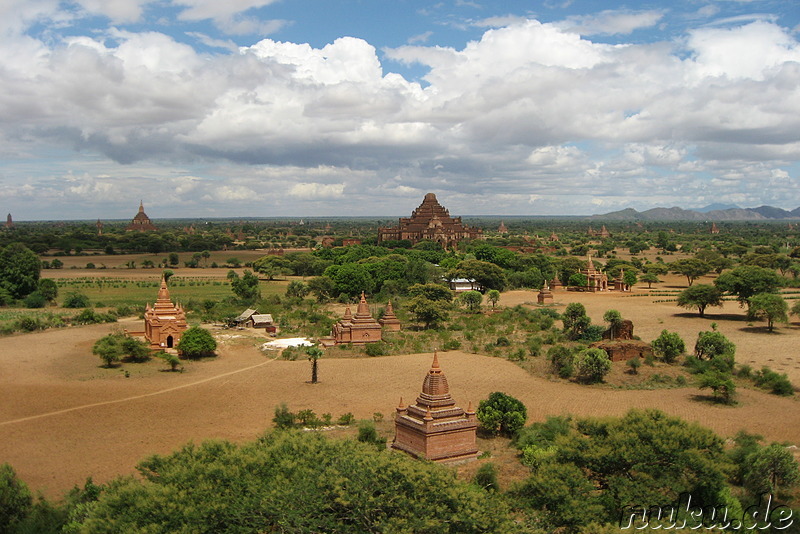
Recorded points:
(293, 482)
(748, 280)
(197, 342)
(700, 296)
(19, 270)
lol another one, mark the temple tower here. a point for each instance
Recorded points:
(164, 323)
(141, 222)
(389, 321)
(435, 428)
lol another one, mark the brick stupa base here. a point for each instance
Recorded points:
(435, 428)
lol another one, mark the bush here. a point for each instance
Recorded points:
(28, 323)
(15, 499)
(501, 414)
(197, 342)
(35, 300)
(375, 349)
(451, 344)
(561, 360)
(284, 419)
(668, 346)
(486, 477)
(76, 300)
(776, 383)
(346, 419)
(592, 365)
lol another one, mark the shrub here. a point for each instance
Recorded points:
(501, 414)
(486, 477)
(197, 342)
(776, 383)
(28, 323)
(35, 300)
(561, 360)
(284, 419)
(375, 349)
(592, 365)
(451, 344)
(346, 419)
(668, 346)
(368, 434)
(76, 299)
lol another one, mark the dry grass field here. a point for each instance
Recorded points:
(63, 417)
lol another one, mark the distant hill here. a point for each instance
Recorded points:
(716, 207)
(679, 214)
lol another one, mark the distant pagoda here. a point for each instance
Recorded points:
(435, 428)
(9, 222)
(430, 221)
(141, 222)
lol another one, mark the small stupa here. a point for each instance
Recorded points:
(435, 428)
(389, 321)
(545, 296)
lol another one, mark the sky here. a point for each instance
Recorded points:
(292, 108)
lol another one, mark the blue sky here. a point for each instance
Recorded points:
(203, 108)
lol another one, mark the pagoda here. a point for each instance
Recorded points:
(430, 221)
(389, 321)
(358, 329)
(596, 280)
(141, 222)
(545, 296)
(502, 228)
(164, 323)
(435, 428)
(9, 222)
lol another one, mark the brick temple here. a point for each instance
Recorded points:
(164, 323)
(430, 221)
(357, 329)
(141, 222)
(435, 428)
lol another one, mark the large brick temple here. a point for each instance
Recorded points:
(430, 221)
(141, 222)
(435, 428)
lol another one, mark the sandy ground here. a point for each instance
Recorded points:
(64, 418)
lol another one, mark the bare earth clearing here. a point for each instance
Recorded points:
(63, 417)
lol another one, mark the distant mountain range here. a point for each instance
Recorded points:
(714, 212)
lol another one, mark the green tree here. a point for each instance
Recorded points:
(561, 360)
(322, 287)
(501, 414)
(167, 274)
(630, 278)
(48, 289)
(650, 279)
(487, 274)
(771, 468)
(15, 499)
(170, 359)
(614, 320)
(197, 342)
(297, 289)
(431, 292)
(471, 300)
(76, 299)
(19, 270)
(314, 354)
(691, 268)
(493, 296)
(668, 346)
(646, 457)
(293, 482)
(713, 344)
(769, 306)
(746, 281)
(720, 383)
(591, 365)
(109, 349)
(575, 320)
(246, 287)
(700, 296)
(430, 312)
(350, 279)
(174, 260)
